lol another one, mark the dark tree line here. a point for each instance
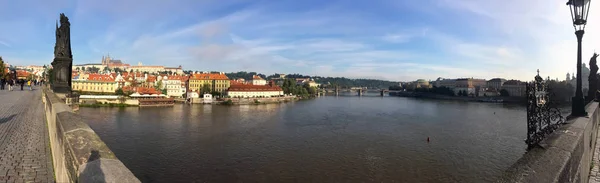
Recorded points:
(244, 75)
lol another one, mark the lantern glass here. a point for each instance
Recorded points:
(579, 12)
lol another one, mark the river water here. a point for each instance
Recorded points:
(328, 139)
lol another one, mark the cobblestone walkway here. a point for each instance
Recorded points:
(24, 147)
(594, 175)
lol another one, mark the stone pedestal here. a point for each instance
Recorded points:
(72, 99)
(61, 70)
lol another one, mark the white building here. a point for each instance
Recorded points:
(252, 91)
(257, 80)
(174, 85)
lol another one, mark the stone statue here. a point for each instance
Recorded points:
(63, 58)
(593, 78)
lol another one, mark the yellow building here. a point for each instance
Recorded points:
(96, 83)
(218, 82)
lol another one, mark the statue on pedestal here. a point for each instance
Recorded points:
(593, 78)
(63, 58)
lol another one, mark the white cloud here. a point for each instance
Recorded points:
(397, 38)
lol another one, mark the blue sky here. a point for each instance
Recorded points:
(383, 39)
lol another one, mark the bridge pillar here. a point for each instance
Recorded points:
(382, 91)
(360, 92)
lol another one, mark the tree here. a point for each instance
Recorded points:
(130, 70)
(2, 68)
(504, 93)
(205, 88)
(106, 69)
(119, 91)
(117, 70)
(215, 93)
(159, 85)
(164, 91)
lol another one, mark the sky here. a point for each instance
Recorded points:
(398, 40)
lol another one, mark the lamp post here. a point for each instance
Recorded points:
(579, 14)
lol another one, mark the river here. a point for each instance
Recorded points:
(328, 139)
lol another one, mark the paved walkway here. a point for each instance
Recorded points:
(594, 173)
(24, 146)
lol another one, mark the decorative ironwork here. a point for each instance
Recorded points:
(543, 117)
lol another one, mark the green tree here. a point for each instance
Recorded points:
(164, 91)
(117, 70)
(504, 93)
(119, 91)
(205, 89)
(159, 85)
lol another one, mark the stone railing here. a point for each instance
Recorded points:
(564, 156)
(78, 153)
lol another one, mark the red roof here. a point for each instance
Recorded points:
(242, 87)
(257, 77)
(141, 90)
(210, 76)
(22, 73)
(151, 78)
(235, 82)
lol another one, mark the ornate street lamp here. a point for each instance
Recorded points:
(579, 14)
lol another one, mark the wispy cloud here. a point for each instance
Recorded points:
(4, 43)
(395, 40)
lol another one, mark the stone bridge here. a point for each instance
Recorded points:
(569, 154)
(43, 140)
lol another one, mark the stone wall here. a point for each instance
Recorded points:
(78, 153)
(564, 156)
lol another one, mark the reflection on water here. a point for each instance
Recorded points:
(329, 139)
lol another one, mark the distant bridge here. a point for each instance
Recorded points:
(359, 90)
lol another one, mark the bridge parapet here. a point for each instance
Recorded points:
(79, 154)
(564, 156)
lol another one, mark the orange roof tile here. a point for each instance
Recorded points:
(257, 77)
(210, 76)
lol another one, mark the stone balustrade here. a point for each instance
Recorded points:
(564, 156)
(79, 154)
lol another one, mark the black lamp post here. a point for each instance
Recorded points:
(579, 14)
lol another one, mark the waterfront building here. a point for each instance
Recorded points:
(448, 83)
(257, 80)
(469, 85)
(491, 92)
(496, 83)
(96, 83)
(252, 91)
(218, 82)
(464, 85)
(515, 88)
(420, 83)
(193, 94)
(175, 85)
